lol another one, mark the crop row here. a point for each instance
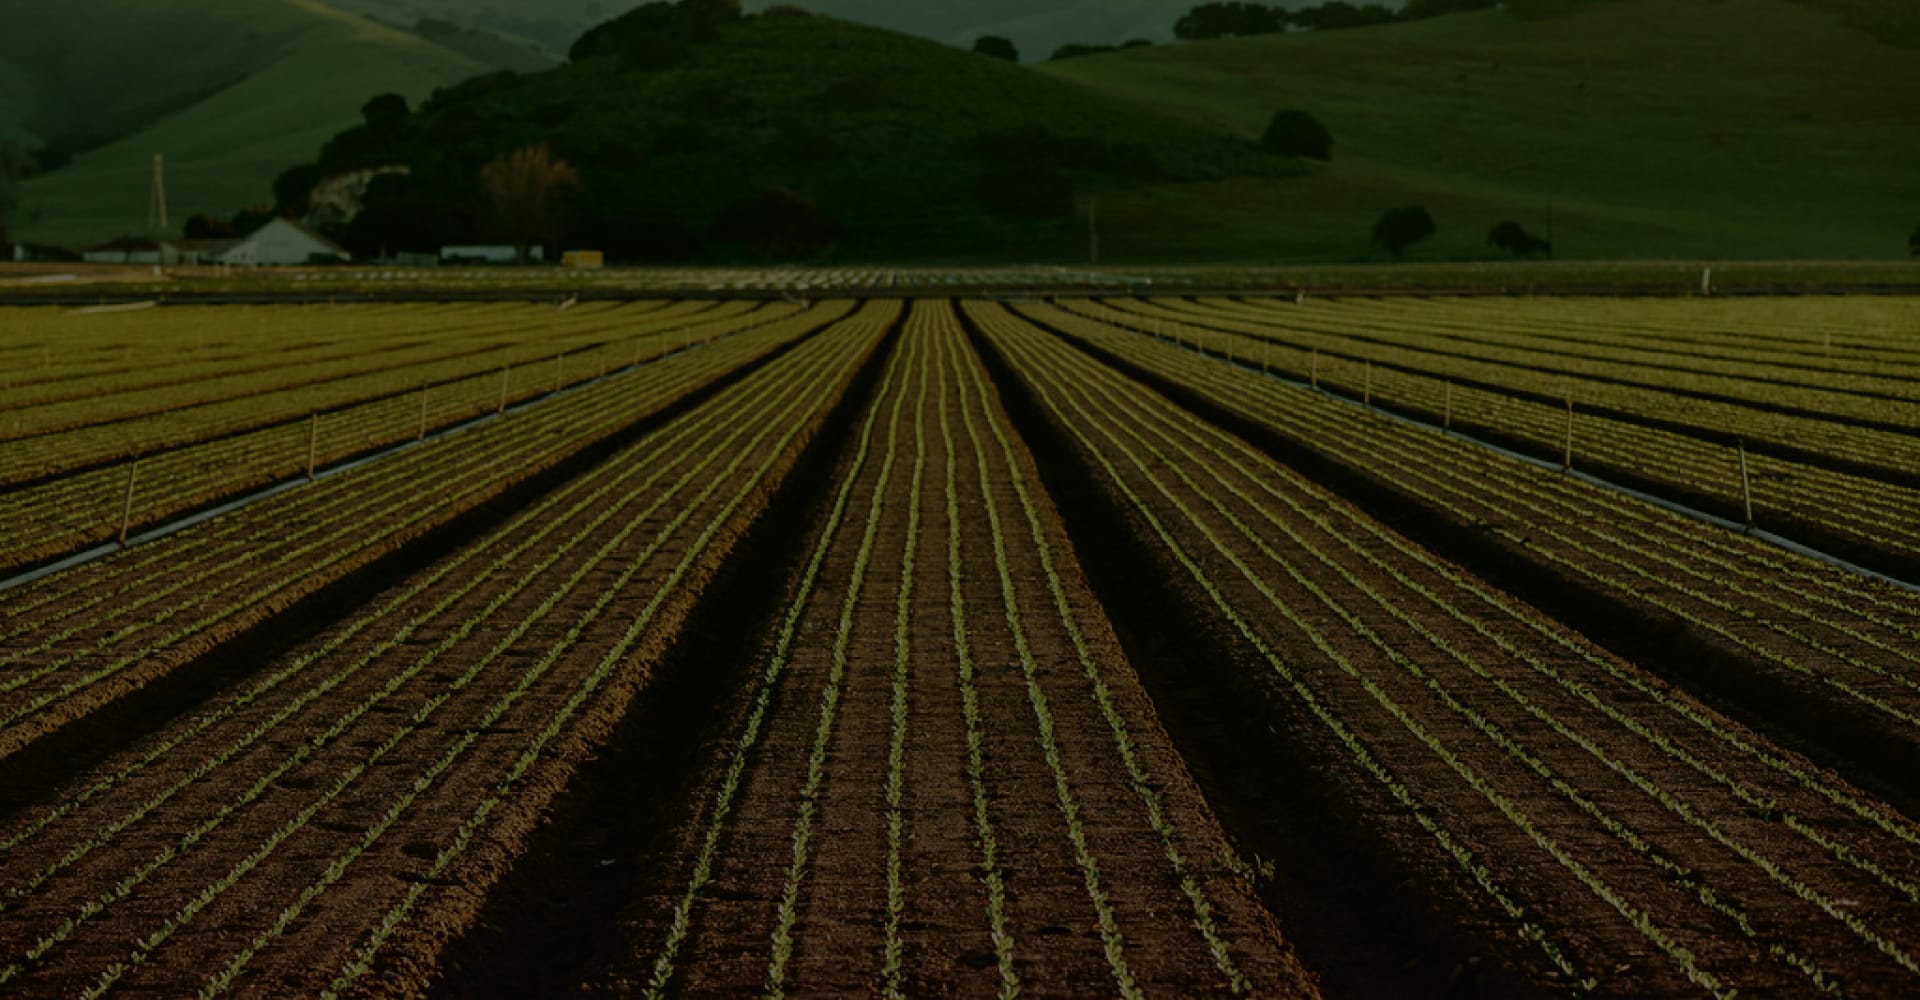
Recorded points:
(67, 651)
(1822, 342)
(335, 361)
(1881, 398)
(1828, 507)
(1881, 447)
(1451, 690)
(54, 438)
(72, 511)
(681, 492)
(1854, 640)
(937, 468)
(1656, 337)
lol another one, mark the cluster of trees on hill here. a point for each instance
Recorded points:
(1074, 50)
(1397, 229)
(1238, 20)
(16, 164)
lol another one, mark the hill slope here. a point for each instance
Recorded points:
(1736, 128)
(231, 91)
(914, 148)
(1036, 26)
(552, 24)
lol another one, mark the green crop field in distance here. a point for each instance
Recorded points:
(1654, 128)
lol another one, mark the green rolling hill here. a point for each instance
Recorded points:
(1643, 128)
(1036, 26)
(1640, 128)
(231, 91)
(551, 24)
(913, 149)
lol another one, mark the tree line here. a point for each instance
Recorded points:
(1239, 20)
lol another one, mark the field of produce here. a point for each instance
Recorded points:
(1153, 646)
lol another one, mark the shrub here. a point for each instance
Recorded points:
(996, 47)
(778, 223)
(385, 112)
(1399, 228)
(1514, 239)
(1229, 20)
(1341, 16)
(1074, 50)
(1296, 133)
(293, 189)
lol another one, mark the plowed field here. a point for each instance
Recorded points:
(1150, 647)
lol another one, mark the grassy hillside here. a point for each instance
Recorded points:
(231, 91)
(1682, 128)
(552, 24)
(892, 136)
(1036, 26)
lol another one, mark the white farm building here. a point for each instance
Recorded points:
(283, 243)
(280, 243)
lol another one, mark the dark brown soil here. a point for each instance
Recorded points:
(1376, 744)
(1679, 861)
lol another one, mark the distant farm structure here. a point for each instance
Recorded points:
(279, 243)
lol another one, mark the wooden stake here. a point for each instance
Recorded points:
(637, 344)
(1448, 419)
(1315, 369)
(126, 509)
(1367, 393)
(558, 376)
(1566, 464)
(313, 443)
(423, 413)
(1746, 484)
(503, 389)
(1266, 355)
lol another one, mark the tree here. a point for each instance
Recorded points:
(293, 189)
(657, 35)
(1399, 228)
(1074, 50)
(245, 221)
(1341, 16)
(1416, 10)
(1513, 238)
(526, 191)
(1296, 133)
(208, 227)
(777, 224)
(1913, 242)
(998, 48)
(384, 112)
(15, 166)
(1229, 20)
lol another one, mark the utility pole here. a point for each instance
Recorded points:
(157, 199)
(1093, 232)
